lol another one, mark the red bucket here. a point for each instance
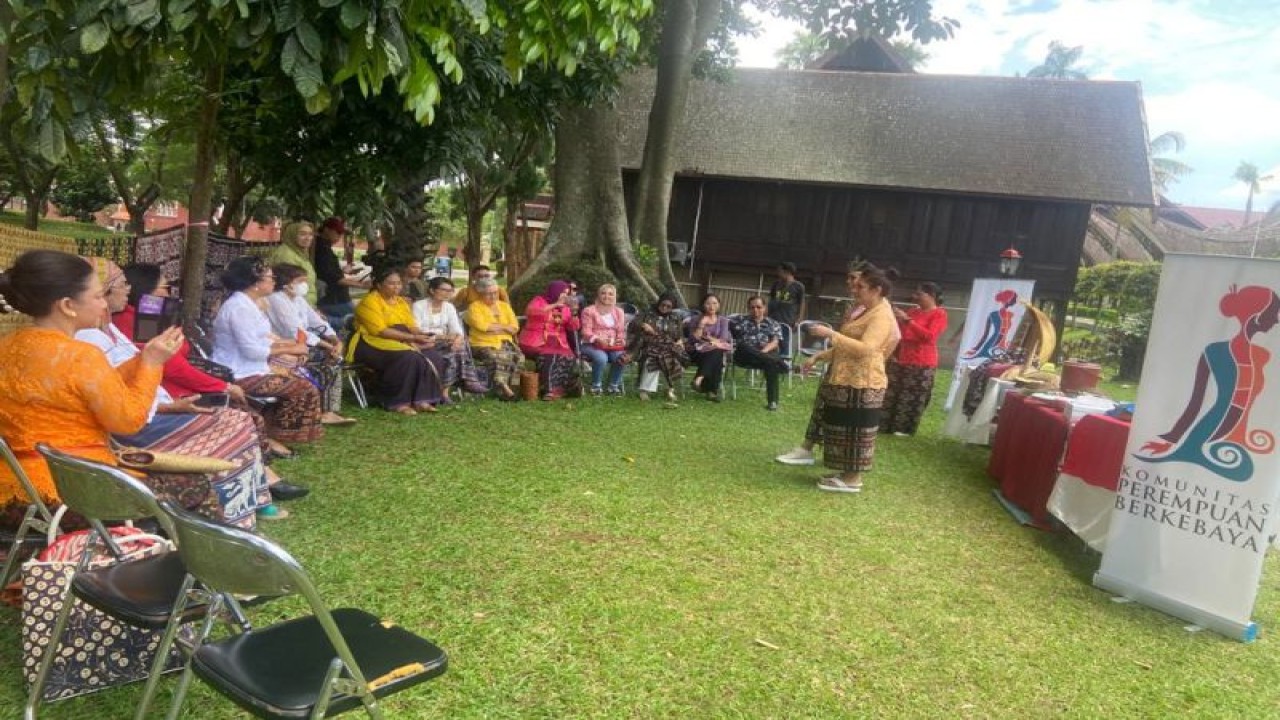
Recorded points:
(1080, 376)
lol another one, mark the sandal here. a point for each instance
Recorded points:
(272, 512)
(836, 484)
(426, 408)
(406, 410)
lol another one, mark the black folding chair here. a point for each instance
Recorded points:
(142, 592)
(313, 666)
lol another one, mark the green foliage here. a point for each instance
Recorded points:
(1119, 297)
(843, 20)
(1059, 63)
(587, 271)
(83, 188)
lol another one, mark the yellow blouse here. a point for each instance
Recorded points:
(481, 316)
(860, 348)
(375, 314)
(61, 391)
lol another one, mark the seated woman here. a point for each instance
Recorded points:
(493, 337)
(436, 316)
(711, 342)
(293, 317)
(243, 341)
(182, 426)
(58, 390)
(182, 379)
(549, 318)
(604, 339)
(387, 341)
(656, 343)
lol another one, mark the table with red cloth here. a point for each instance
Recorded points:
(1085, 491)
(1031, 435)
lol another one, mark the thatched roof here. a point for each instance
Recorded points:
(1019, 137)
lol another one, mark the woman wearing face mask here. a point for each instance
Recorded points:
(292, 317)
(296, 241)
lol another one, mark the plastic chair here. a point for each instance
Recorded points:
(313, 666)
(142, 592)
(37, 518)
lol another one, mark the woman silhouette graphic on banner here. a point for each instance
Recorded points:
(1218, 437)
(995, 337)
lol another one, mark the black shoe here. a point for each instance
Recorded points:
(282, 491)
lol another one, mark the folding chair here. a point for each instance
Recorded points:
(142, 592)
(351, 370)
(38, 518)
(313, 666)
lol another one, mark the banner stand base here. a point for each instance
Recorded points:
(1244, 632)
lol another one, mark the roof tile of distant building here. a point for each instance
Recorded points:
(1020, 137)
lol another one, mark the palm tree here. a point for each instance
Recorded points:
(1166, 171)
(1247, 173)
(1058, 63)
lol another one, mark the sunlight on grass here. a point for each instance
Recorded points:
(608, 558)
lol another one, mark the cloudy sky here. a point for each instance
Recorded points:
(1209, 69)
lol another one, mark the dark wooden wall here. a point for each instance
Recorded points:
(748, 226)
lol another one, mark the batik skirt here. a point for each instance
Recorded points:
(502, 362)
(905, 400)
(558, 375)
(295, 416)
(232, 496)
(662, 354)
(845, 421)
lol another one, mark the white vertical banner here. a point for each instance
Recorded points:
(1193, 507)
(994, 313)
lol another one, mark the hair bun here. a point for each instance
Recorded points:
(892, 273)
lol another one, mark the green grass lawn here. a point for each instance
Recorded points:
(608, 558)
(61, 228)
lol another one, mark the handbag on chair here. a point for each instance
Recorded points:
(97, 651)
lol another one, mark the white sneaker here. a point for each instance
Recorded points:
(798, 456)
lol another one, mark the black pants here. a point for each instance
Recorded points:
(710, 369)
(770, 363)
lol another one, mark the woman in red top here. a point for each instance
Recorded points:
(912, 367)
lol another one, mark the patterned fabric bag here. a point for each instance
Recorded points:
(96, 651)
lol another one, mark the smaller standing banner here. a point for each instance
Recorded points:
(1195, 497)
(994, 312)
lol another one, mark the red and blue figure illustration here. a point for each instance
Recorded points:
(995, 336)
(1215, 434)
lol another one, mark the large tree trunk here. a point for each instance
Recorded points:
(685, 30)
(410, 231)
(591, 219)
(201, 205)
(476, 208)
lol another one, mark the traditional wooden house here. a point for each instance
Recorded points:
(935, 175)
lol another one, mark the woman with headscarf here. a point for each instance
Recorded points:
(296, 248)
(182, 426)
(493, 327)
(604, 339)
(655, 343)
(388, 341)
(846, 414)
(549, 318)
(911, 370)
